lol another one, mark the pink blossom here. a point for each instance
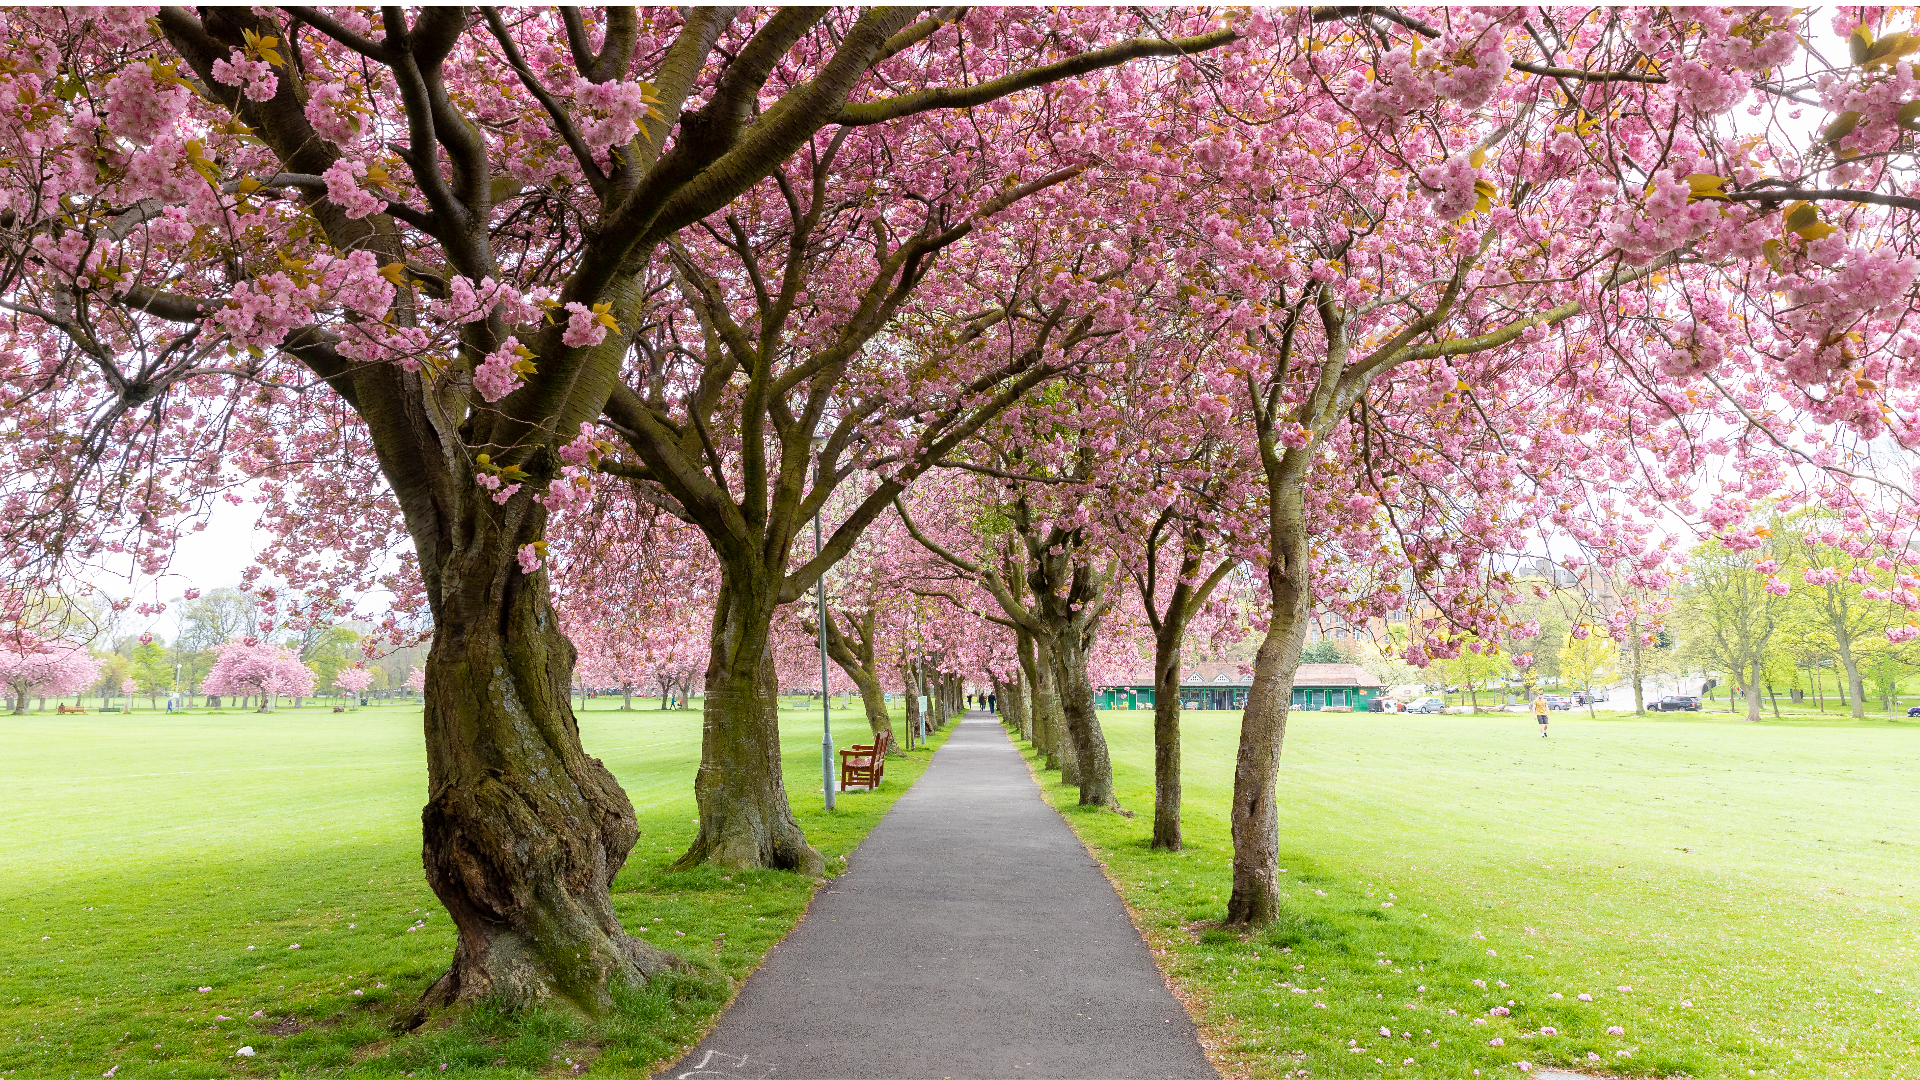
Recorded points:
(584, 328)
(495, 378)
(529, 558)
(343, 187)
(255, 75)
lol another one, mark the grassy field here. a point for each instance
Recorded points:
(160, 870)
(1734, 899)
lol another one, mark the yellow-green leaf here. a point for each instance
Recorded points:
(1909, 116)
(1860, 44)
(1800, 215)
(396, 273)
(1841, 127)
(1771, 249)
(1478, 157)
(1890, 48)
(1817, 231)
(1705, 186)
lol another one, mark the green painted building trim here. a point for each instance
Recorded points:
(1305, 698)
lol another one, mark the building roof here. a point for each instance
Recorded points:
(1309, 676)
(1334, 675)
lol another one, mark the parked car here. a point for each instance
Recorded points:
(1676, 704)
(1913, 710)
(1426, 705)
(1555, 702)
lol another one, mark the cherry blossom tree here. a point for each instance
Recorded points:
(353, 681)
(253, 667)
(35, 668)
(1424, 237)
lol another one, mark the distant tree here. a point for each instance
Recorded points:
(1835, 561)
(1731, 609)
(44, 669)
(353, 681)
(253, 667)
(151, 670)
(113, 670)
(1320, 652)
(213, 618)
(1588, 659)
(1479, 665)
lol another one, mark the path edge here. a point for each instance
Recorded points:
(657, 1068)
(1211, 1036)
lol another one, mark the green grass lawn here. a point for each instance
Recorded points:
(1755, 886)
(159, 870)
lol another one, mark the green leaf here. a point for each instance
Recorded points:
(1841, 127)
(1860, 44)
(1909, 116)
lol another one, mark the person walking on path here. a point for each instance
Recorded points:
(1540, 712)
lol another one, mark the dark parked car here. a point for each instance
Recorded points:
(1913, 710)
(1676, 704)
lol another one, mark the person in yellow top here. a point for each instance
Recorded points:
(1540, 712)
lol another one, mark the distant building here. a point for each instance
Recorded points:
(1225, 686)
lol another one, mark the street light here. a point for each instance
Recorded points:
(820, 615)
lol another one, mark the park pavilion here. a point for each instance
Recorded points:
(1225, 686)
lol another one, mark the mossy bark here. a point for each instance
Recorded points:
(745, 820)
(522, 832)
(1093, 772)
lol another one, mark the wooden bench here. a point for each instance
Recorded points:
(68, 709)
(865, 765)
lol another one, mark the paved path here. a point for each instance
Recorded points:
(972, 936)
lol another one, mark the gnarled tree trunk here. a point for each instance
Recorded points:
(522, 831)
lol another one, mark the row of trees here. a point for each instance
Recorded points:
(522, 316)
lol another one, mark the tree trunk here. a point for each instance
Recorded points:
(745, 820)
(1637, 649)
(1017, 712)
(1093, 769)
(874, 700)
(1263, 725)
(1058, 747)
(912, 694)
(522, 831)
(1753, 692)
(1856, 683)
(1166, 735)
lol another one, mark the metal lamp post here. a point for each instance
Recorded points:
(820, 614)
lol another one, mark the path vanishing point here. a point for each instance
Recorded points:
(971, 936)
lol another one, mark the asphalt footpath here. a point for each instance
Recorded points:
(971, 936)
